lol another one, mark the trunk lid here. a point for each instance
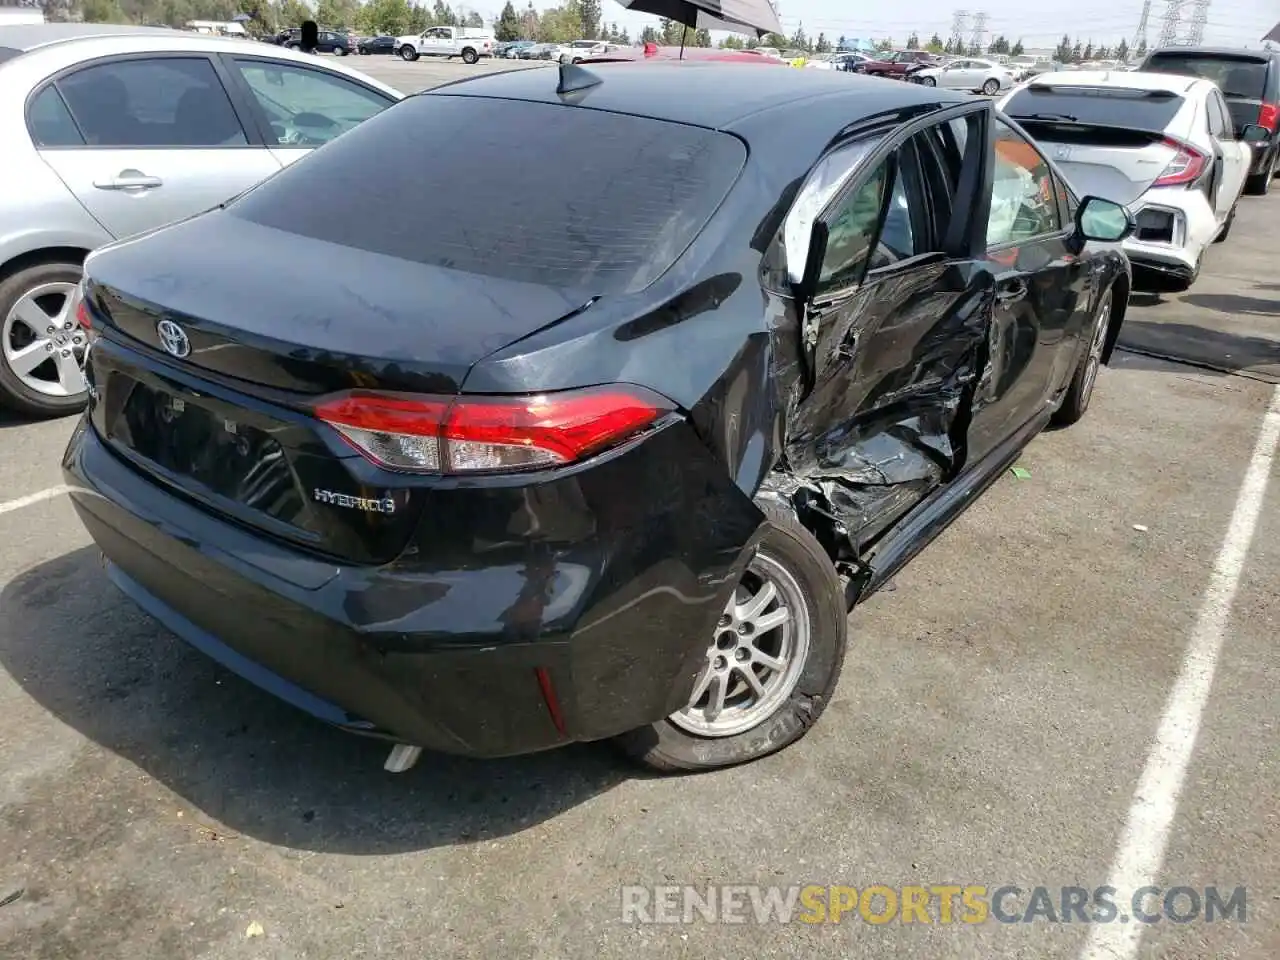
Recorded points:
(1243, 78)
(1119, 165)
(229, 426)
(294, 313)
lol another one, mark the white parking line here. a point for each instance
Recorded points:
(1155, 801)
(37, 497)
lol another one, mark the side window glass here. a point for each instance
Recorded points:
(825, 180)
(307, 107)
(852, 231)
(50, 123)
(1023, 204)
(1228, 129)
(165, 102)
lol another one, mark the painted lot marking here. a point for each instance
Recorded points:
(37, 497)
(1146, 832)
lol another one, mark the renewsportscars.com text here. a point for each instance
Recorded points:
(934, 904)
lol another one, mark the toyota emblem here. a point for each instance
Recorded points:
(173, 338)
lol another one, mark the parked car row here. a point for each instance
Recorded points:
(1178, 142)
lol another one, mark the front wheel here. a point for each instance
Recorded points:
(929, 81)
(469, 56)
(991, 87)
(1076, 401)
(771, 664)
(408, 54)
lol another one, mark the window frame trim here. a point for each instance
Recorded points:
(889, 145)
(252, 133)
(262, 124)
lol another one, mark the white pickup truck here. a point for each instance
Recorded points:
(469, 43)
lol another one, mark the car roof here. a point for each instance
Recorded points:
(42, 59)
(1233, 52)
(703, 93)
(1128, 79)
(28, 36)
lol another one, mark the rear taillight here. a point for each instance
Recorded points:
(1185, 168)
(1268, 114)
(82, 315)
(466, 435)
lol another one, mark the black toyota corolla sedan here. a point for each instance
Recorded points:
(590, 441)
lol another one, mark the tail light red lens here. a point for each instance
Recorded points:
(465, 435)
(1268, 114)
(82, 316)
(1185, 168)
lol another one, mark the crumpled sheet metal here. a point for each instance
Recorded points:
(906, 438)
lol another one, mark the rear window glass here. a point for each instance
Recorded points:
(1098, 106)
(1238, 77)
(543, 193)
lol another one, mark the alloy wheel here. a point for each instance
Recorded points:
(42, 343)
(756, 656)
(1096, 343)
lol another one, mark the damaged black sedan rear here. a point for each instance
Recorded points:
(601, 438)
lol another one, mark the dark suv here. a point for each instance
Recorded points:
(1250, 82)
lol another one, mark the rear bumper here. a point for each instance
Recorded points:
(443, 659)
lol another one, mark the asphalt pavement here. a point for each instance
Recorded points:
(1111, 612)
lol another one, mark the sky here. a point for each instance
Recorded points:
(1230, 22)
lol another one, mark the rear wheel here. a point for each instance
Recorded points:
(41, 345)
(771, 663)
(991, 87)
(1076, 401)
(470, 56)
(339, 51)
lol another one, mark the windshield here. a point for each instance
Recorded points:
(1241, 78)
(631, 196)
(1095, 106)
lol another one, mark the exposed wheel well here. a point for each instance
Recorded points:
(1119, 304)
(47, 255)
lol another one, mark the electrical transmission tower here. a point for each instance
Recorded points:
(1199, 17)
(959, 24)
(979, 31)
(1140, 35)
(1171, 32)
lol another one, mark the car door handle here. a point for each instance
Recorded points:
(131, 181)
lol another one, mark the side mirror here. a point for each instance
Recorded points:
(1103, 220)
(1255, 133)
(818, 237)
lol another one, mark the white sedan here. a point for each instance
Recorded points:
(975, 76)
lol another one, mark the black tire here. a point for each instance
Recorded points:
(469, 56)
(1259, 185)
(14, 394)
(408, 54)
(991, 87)
(339, 51)
(293, 46)
(1226, 227)
(668, 748)
(1075, 403)
(928, 81)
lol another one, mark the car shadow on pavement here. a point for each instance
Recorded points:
(255, 765)
(1234, 303)
(1201, 346)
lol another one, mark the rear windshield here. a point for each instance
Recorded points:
(1242, 78)
(549, 194)
(1098, 106)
